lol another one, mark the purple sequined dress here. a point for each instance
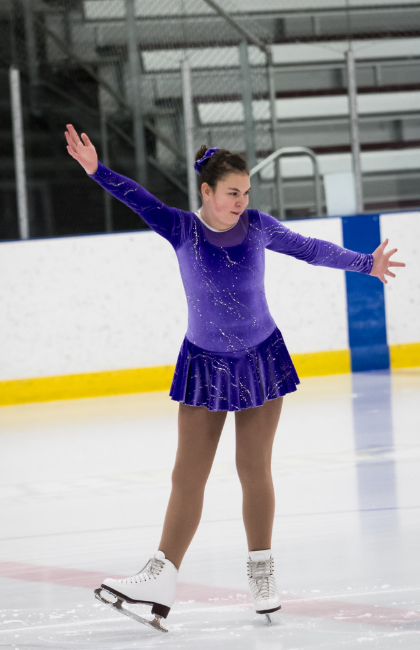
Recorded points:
(233, 355)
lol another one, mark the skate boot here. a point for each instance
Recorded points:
(154, 584)
(262, 583)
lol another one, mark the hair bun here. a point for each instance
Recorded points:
(200, 153)
(204, 159)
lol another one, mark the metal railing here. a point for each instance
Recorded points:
(291, 151)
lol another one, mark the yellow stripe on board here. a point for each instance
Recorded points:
(140, 380)
(92, 384)
(144, 380)
(405, 356)
(332, 362)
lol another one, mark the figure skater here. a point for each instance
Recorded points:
(233, 357)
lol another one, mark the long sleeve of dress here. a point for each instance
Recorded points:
(171, 223)
(311, 250)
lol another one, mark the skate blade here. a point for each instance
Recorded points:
(268, 619)
(118, 606)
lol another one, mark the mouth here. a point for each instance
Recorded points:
(237, 213)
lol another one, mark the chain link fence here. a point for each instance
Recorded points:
(263, 76)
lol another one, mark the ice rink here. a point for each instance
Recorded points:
(84, 490)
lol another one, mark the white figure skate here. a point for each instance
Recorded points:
(262, 583)
(154, 584)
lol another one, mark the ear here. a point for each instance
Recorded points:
(205, 190)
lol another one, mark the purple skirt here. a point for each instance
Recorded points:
(233, 381)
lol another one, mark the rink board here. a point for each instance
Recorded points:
(106, 314)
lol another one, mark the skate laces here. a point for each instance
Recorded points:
(150, 570)
(261, 579)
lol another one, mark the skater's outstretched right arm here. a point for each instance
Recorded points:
(170, 223)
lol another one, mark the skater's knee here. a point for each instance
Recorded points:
(190, 479)
(253, 471)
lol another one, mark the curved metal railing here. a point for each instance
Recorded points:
(291, 151)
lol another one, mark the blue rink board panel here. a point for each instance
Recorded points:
(365, 298)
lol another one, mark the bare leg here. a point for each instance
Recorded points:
(255, 431)
(199, 433)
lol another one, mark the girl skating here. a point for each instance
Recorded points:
(233, 357)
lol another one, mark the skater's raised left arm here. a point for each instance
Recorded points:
(319, 252)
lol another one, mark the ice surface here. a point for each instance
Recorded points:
(83, 491)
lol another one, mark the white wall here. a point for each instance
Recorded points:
(308, 302)
(402, 294)
(107, 302)
(82, 304)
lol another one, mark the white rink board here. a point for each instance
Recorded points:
(308, 302)
(90, 303)
(402, 294)
(116, 301)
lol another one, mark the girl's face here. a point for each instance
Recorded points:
(230, 198)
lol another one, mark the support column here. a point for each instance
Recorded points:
(19, 152)
(249, 119)
(354, 128)
(275, 137)
(32, 58)
(106, 162)
(189, 134)
(136, 103)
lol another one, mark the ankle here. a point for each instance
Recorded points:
(265, 554)
(172, 558)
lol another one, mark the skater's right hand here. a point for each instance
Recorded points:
(84, 152)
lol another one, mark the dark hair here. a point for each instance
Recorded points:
(221, 163)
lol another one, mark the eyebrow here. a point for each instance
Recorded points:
(236, 189)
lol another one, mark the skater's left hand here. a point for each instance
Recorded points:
(381, 262)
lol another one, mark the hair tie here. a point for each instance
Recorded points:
(199, 163)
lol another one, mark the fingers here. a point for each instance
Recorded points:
(392, 252)
(74, 138)
(73, 134)
(73, 154)
(392, 275)
(70, 144)
(75, 144)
